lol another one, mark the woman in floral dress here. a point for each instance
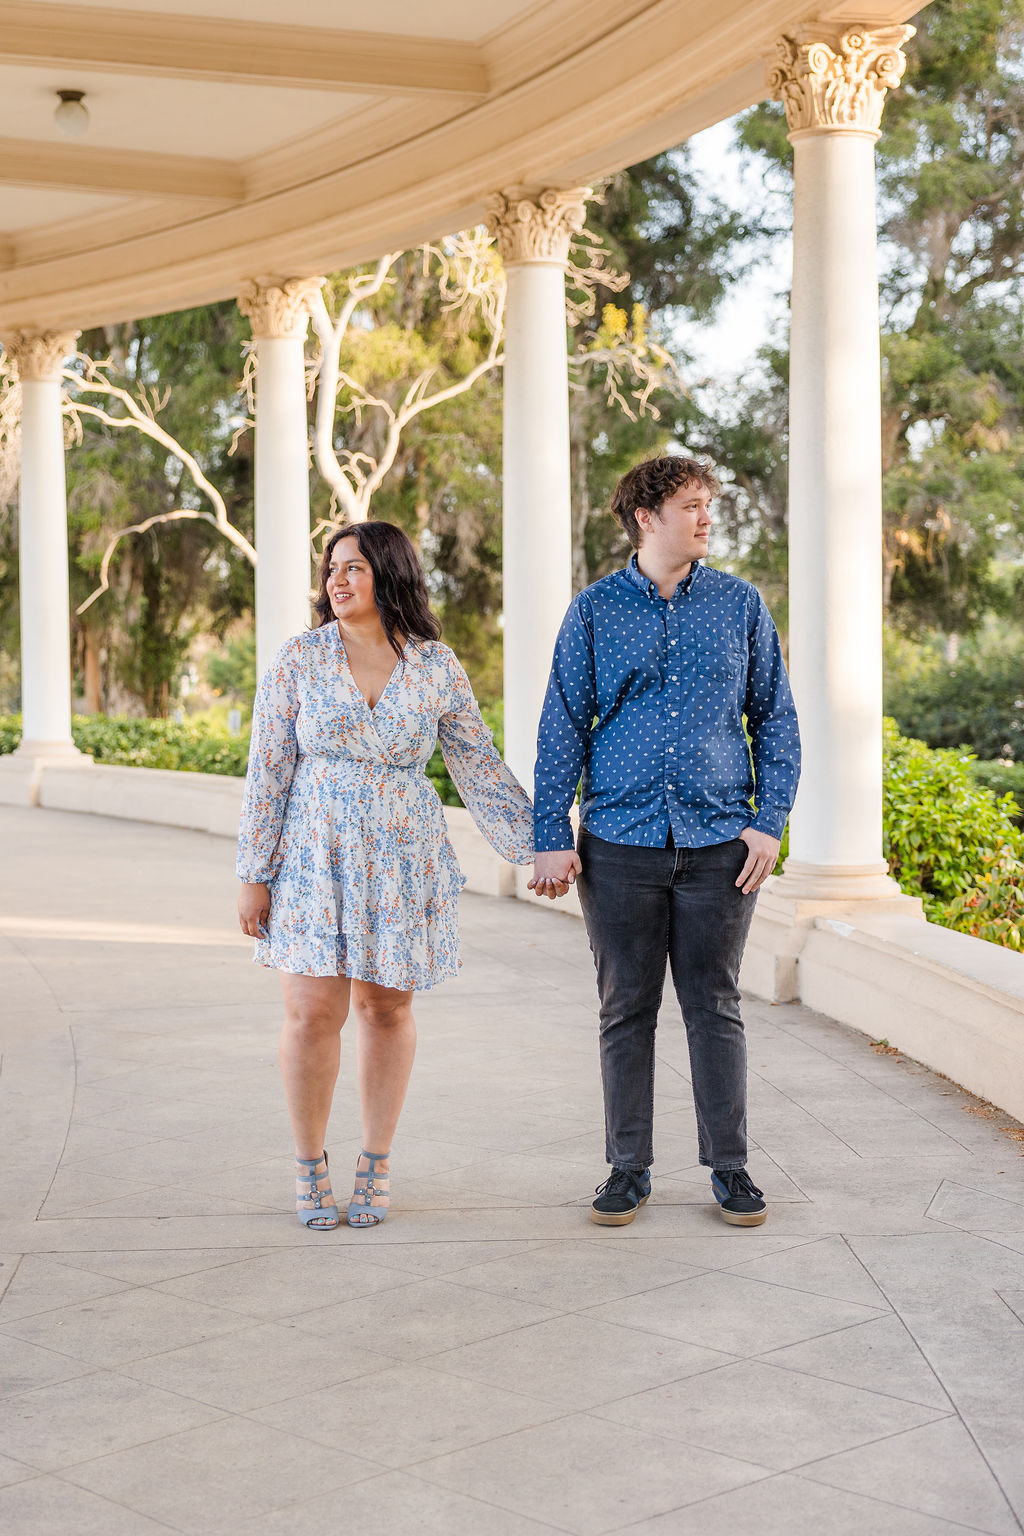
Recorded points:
(350, 885)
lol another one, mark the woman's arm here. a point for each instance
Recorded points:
(492, 794)
(273, 751)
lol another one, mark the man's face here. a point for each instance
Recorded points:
(679, 533)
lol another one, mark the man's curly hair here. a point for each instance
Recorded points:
(652, 482)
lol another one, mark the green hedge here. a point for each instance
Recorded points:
(189, 747)
(950, 830)
(952, 841)
(1001, 778)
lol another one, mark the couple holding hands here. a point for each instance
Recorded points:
(350, 885)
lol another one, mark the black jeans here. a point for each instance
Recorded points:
(644, 906)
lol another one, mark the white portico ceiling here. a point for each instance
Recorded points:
(226, 142)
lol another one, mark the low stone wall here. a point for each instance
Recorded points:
(947, 1000)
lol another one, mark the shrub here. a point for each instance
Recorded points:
(188, 747)
(1002, 779)
(943, 832)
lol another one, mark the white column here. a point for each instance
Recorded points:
(279, 314)
(43, 547)
(833, 84)
(533, 234)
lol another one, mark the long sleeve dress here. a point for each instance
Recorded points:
(341, 822)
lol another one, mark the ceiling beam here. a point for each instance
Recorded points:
(80, 38)
(78, 168)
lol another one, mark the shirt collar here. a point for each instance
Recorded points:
(634, 574)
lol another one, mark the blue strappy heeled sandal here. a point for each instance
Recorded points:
(361, 1211)
(317, 1216)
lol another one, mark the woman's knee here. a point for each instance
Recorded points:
(383, 1008)
(385, 1016)
(312, 1023)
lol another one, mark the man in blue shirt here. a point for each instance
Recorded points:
(654, 671)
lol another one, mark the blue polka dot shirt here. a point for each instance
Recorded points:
(646, 701)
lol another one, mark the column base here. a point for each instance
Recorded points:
(839, 883)
(792, 903)
(21, 771)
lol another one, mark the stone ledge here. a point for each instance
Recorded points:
(198, 802)
(950, 1001)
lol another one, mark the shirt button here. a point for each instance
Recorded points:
(671, 642)
(673, 713)
(673, 679)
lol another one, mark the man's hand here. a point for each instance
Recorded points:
(253, 908)
(553, 873)
(762, 856)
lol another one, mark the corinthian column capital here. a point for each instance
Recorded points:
(279, 308)
(830, 78)
(536, 227)
(38, 356)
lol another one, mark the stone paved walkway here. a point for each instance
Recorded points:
(178, 1355)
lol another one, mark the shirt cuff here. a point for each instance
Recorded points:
(554, 835)
(771, 819)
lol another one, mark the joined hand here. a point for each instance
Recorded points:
(553, 873)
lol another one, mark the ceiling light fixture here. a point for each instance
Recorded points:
(71, 115)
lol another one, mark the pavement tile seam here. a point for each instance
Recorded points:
(55, 1477)
(13, 1266)
(691, 1504)
(430, 1362)
(597, 1410)
(868, 1082)
(488, 1504)
(806, 1468)
(805, 1339)
(954, 1525)
(591, 1415)
(802, 1109)
(239, 1320)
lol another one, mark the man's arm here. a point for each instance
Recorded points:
(562, 741)
(775, 749)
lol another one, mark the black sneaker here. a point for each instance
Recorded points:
(742, 1203)
(621, 1196)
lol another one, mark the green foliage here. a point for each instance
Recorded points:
(1001, 778)
(975, 702)
(952, 218)
(994, 909)
(188, 747)
(682, 249)
(180, 579)
(948, 839)
(231, 671)
(951, 839)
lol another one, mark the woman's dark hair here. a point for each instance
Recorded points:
(399, 587)
(653, 482)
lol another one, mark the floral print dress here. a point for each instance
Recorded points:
(341, 822)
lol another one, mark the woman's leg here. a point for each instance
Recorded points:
(385, 1048)
(315, 1008)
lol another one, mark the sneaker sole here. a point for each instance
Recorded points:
(617, 1218)
(744, 1218)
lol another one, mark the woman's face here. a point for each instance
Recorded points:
(350, 583)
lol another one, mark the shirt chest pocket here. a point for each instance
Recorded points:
(717, 662)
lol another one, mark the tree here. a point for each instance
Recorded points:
(682, 249)
(951, 181)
